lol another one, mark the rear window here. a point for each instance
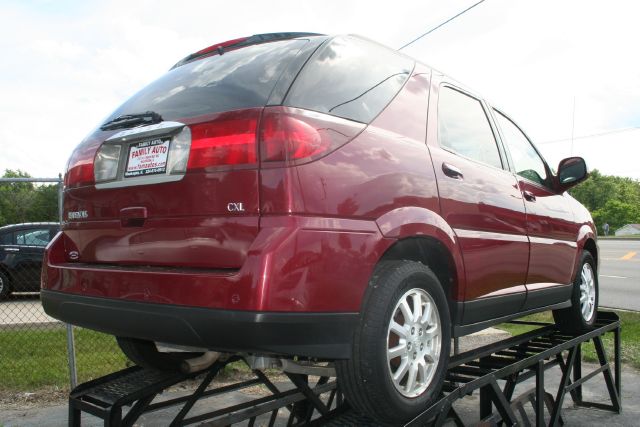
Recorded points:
(351, 78)
(237, 79)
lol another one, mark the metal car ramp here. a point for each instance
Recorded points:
(493, 371)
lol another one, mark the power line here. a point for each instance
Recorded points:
(608, 132)
(440, 25)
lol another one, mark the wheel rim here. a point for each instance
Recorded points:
(587, 292)
(413, 342)
(1, 285)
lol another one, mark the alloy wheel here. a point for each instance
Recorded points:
(587, 292)
(413, 342)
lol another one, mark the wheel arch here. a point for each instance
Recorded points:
(424, 236)
(587, 241)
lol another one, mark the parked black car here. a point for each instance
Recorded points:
(21, 250)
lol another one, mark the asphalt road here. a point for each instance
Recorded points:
(620, 274)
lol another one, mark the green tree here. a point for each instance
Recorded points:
(611, 199)
(25, 201)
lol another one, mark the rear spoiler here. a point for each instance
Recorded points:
(220, 48)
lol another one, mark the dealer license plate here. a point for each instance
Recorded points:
(147, 158)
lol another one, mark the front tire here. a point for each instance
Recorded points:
(581, 316)
(145, 353)
(401, 347)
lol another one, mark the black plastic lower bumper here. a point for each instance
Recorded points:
(321, 335)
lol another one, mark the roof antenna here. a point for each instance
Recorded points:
(220, 50)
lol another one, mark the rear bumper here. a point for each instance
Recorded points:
(321, 335)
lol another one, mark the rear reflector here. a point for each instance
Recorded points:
(294, 136)
(229, 139)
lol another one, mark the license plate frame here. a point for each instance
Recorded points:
(147, 157)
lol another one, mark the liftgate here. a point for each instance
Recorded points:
(493, 370)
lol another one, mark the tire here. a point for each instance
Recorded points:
(582, 314)
(366, 379)
(145, 354)
(5, 286)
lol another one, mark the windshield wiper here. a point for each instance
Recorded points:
(130, 120)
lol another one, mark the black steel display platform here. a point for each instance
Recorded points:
(493, 370)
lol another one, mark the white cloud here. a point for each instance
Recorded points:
(67, 65)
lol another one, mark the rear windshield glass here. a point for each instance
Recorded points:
(237, 79)
(351, 78)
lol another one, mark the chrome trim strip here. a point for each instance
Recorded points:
(490, 235)
(143, 180)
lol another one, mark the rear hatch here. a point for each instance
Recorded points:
(171, 178)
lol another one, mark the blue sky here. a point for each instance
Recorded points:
(67, 64)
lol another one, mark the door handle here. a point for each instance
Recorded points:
(452, 171)
(529, 196)
(12, 249)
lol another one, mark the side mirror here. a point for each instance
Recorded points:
(571, 171)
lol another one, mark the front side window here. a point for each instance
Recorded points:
(463, 127)
(526, 159)
(38, 237)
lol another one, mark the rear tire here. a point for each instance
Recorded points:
(5, 287)
(401, 347)
(145, 353)
(582, 314)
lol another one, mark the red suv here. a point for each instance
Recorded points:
(329, 198)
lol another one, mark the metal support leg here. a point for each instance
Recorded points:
(75, 415)
(602, 357)
(502, 404)
(540, 394)
(577, 374)
(486, 408)
(557, 407)
(618, 367)
(301, 383)
(194, 397)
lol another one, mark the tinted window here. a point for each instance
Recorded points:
(6, 239)
(463, 127)
(351, 78)
(526, 159)
(237, 79)
(37, 237)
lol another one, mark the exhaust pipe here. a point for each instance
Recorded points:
(199, 363)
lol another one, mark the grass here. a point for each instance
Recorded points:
(36, 358)
(630, 336)
(32, 359)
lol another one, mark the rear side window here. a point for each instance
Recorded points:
(237, 79)
(463, 127)
(38, 237)
(350, 78)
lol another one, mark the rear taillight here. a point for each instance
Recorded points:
(228, 140)
(294, 136)
(80, 168)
